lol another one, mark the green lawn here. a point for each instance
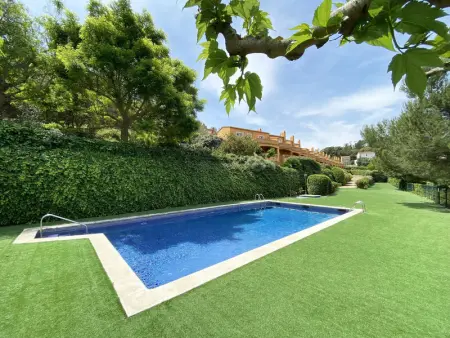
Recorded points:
(382, 274)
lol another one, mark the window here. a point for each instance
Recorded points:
(280, 140)
(239, 133)
(261, 137)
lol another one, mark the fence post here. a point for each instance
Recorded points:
(446, 197)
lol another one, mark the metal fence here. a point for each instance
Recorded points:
(439, 195)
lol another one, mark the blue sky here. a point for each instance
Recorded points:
(323, 99)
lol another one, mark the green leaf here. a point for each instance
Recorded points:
(252, 89)
(339, 4)
(415, 39)
(422, 57)
(192, 3)
(302, 35)
(255, 84)
(322, 13)
(229, 95)
(375, 11)
(240, 84)
(215, 61)
(384, 41)
(398, 68)
(411, 63)
(335, 20)
(201, 27)
(301, 27)
(416, 80)
(420, 17)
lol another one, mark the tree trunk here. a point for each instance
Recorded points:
(125, 128)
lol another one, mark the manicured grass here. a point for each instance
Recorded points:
(382, 274)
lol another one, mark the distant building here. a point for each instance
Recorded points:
(363, 157)
(285, 147)
(346, 160)
(211, 131)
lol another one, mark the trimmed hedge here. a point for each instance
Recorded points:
(399, 183)
(348, 177)
(329, 173)
(371, 180)
(363, 183)
(319, 185)
(45, 171)
(334, 186)
(339, 175)
(303, 165)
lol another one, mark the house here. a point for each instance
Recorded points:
(346, 160)
(364, 156)
(285, 147)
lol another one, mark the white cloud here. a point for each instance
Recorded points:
(321, 135)
(379, 100)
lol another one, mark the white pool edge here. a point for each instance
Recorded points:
(134, 295)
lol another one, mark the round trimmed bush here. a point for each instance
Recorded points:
(334, 186)
(329, 173)
(348, 177)
(363, 183)
(319, 185)
(339, 175)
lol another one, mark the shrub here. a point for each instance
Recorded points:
(206, 141)
(363, 183)
(329, 173)
(240, 145)
(399, 183)
(334, 187)
(259, 164)
(319, 185)
(303, 166)
(339, 175)
(81, 178)
(371, 180)
(379, 176)
(272, 152)
(348, 177)
(361, 172)
(307, 165)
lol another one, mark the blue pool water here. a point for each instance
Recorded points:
(163, 250)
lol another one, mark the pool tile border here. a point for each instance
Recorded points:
(133, 294)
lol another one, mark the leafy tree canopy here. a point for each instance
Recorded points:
(240, 145)
(375, 22)
(416, 145)
(111, 71)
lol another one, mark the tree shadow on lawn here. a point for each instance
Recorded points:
(426, 206)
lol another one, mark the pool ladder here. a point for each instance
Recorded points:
(260, 197)
(62, 218)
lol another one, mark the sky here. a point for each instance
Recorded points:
(323, 99)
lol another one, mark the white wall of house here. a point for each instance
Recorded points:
(365, 154)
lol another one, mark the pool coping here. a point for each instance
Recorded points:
(135, 297)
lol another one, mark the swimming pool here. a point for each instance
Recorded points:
(151, 259)
(163, 250)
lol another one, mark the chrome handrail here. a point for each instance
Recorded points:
(62, 218)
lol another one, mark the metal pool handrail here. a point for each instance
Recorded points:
(259, 197)
(62, 218)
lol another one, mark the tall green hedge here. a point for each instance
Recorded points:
(44, 171)
(303, 165)
(319, 185)
(339, 175)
